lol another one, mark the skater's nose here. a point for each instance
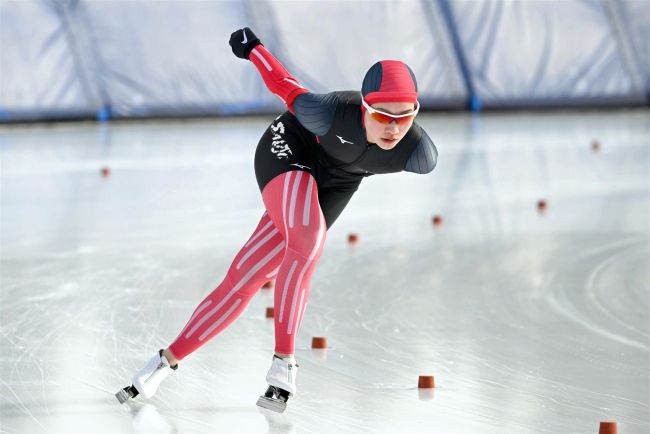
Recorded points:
(392, 128)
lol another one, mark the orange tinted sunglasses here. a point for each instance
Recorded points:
(387, 118)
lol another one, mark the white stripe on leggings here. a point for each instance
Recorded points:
(195, 314)
(292, 312)
(272, 274)
(237, 287)
(302, 296)
(284, 291)
(292, 207)
(302, 314)
(260, 232)
(304, 269)
(319, 241)
(287, 178)
(321, 233)
(305, 214)
(220, 320)
(257, 246)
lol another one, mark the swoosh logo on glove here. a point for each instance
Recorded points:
(245, 38)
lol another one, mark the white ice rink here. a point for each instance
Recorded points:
(530, 322)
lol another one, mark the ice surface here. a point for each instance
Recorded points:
(530, 323)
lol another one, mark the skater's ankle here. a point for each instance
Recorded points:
(173, 361)
(283, 355)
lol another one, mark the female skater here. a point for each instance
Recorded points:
(308, 164)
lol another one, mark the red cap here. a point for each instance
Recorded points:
(389, 81)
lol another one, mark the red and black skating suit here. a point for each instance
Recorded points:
(326, 138)
(308, 164)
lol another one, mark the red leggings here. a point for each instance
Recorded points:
(288, 241)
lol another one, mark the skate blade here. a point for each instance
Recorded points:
(126, 393)
(272, 404)
(122, 396)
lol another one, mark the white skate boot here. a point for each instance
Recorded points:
(282, 384)
(147, 380)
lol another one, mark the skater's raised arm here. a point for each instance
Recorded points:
(246, 45)
(314, 111)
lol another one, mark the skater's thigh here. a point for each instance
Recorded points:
(258, 260)
(291, 199)
(265, 235)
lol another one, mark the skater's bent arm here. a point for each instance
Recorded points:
(275, 76)
(424, 157)
(246, 45)
(314, 111)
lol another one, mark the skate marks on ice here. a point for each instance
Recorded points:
(505, 343)
(600, 292)
(529, 322)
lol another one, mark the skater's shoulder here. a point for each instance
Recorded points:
(316, 111)
(424, 157)
(349, 97)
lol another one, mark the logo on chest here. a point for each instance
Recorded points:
(343, 141)
(279, 146)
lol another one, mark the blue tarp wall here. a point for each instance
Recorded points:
(137, 58)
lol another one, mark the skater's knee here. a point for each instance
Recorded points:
(243, 281)
(307, 241)
(255, 266)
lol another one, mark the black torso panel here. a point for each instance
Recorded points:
(343, 138)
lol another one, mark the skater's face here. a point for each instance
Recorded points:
(384, 131)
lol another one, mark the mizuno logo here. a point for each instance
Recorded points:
(300, 165)
(245, 38)
(343, 140)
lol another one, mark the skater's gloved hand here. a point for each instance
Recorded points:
(243, 41)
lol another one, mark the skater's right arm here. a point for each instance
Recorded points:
(314, 111)
(246, 45)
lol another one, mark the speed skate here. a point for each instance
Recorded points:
(274, 399)
(282, 384)
(147, 379)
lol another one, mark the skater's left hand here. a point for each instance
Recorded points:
(243, 41)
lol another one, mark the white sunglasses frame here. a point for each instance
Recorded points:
(373, 110)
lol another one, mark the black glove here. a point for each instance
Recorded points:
(243, 41)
